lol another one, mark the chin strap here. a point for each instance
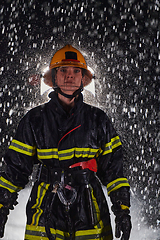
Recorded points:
(77, 92)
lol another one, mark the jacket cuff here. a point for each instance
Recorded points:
(4, 183)
(121, 197)
(116, 184)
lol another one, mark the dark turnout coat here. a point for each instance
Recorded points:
(60, 206)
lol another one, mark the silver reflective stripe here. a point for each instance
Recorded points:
(116, 184)
(39, 233)
(8, 185)
(66, 154)
(42, 188)
(47, 153)
(36, 233)
(115, 142)
(22, 148)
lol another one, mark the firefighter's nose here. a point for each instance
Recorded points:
(69, 74)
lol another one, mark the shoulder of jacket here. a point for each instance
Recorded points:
(35, 112)
(94, 109)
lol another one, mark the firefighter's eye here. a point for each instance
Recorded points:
(77, 70)
(63, 70)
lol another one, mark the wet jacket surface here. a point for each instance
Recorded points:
(55, 139)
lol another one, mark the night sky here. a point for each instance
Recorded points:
(120, 41)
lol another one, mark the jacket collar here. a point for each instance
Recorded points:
(57, 107)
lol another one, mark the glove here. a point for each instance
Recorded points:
(123, 222)
(121, 203)
(7, 201)
(3, 219)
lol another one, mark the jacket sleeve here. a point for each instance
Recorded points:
(19, 158)
(110, 159)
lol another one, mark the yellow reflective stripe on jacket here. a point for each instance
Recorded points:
(22, 148)
(47, 153)
(77, 152)
(39, 233)
(114, 143)
(66, 154)
(8, 185)
(92, 234)
(96, 212)
(42, 188)
(116, 184)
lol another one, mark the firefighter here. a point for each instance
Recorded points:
(77, 150)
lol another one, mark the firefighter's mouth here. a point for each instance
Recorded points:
(69, 82)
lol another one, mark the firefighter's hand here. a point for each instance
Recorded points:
(8, 201)
(122, 221)
(123, 226)
(3, 219)
(121, 203)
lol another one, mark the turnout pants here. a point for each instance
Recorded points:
(56, 212)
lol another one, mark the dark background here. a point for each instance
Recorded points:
(120, 41)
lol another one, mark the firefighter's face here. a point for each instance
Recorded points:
(68, 79)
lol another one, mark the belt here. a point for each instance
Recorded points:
(69, 176)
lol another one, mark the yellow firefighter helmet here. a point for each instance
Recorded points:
(68, 56)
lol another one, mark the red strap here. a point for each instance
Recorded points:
(68, 133)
